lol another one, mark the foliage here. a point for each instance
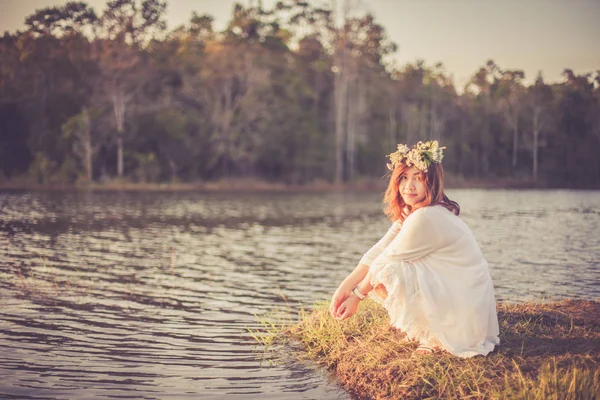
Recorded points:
(284, 94)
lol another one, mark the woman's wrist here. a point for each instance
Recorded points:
(358, 293)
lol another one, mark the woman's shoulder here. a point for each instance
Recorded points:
(430, 210)
(430, 213)
(419, 215)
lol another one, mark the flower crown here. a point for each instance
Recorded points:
(420, 156)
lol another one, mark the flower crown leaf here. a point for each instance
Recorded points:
(422, 155)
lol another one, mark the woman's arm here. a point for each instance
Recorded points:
(349, 307)
(361, 270)
(345, 288)
(418, 238)
(380, 246)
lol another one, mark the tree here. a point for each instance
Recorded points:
(71, 23)
(540, 103)
(510, 90)
(578, 148)
(126, 26)
(79, 128)
(59, 21)
(480, 89)
(287, 93)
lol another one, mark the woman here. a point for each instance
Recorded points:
(427, 271)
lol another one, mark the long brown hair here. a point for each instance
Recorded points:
(397, 209)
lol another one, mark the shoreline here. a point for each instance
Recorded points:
(217, 186)
(547, 350)
(252, 185)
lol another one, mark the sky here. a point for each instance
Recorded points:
(532, 35)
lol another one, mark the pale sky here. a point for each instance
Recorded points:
(532, 35)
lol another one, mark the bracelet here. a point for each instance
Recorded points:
(358, 293)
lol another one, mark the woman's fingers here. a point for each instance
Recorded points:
(347, 310)
(335, 303)
(346, 314)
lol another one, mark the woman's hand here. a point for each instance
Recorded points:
(345, 288)
(340, 295)
(348, 308)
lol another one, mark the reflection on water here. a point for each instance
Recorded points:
(149, 295)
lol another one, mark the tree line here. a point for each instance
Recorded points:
(293, 94)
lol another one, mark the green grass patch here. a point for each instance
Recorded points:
(548, 350)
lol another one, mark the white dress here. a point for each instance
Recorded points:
(439, 287)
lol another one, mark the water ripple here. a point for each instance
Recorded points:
(150, 295)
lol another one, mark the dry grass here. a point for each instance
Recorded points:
(46, 284)
(547, 351)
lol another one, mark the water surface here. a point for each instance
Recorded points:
(150, 295)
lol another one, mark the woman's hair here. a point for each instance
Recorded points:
(434, 188)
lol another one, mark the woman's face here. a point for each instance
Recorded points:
(412, 186)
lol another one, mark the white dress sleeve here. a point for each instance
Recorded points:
(381, 245)
(419, 237)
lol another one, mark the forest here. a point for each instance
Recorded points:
(294, 94)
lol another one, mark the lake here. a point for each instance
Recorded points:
(151, 295)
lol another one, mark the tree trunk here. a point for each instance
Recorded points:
(119, 110)
(411, 117)
(536, 134)
(436, 125)
(351, 132)
(341, 94)
(393, 123)
(362, 116)
(173, 168)
(87, 144)
(225, 127)
(120, 154)
(515, 151)
(341, 121)
(340, 98)
(356, 111)
(422, 122)
(483, 160)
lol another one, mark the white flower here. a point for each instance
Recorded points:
(421, 155)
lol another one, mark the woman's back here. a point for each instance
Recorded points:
(452, 242)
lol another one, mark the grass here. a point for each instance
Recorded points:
(39, 284)
(548, 350)
(46, 284)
